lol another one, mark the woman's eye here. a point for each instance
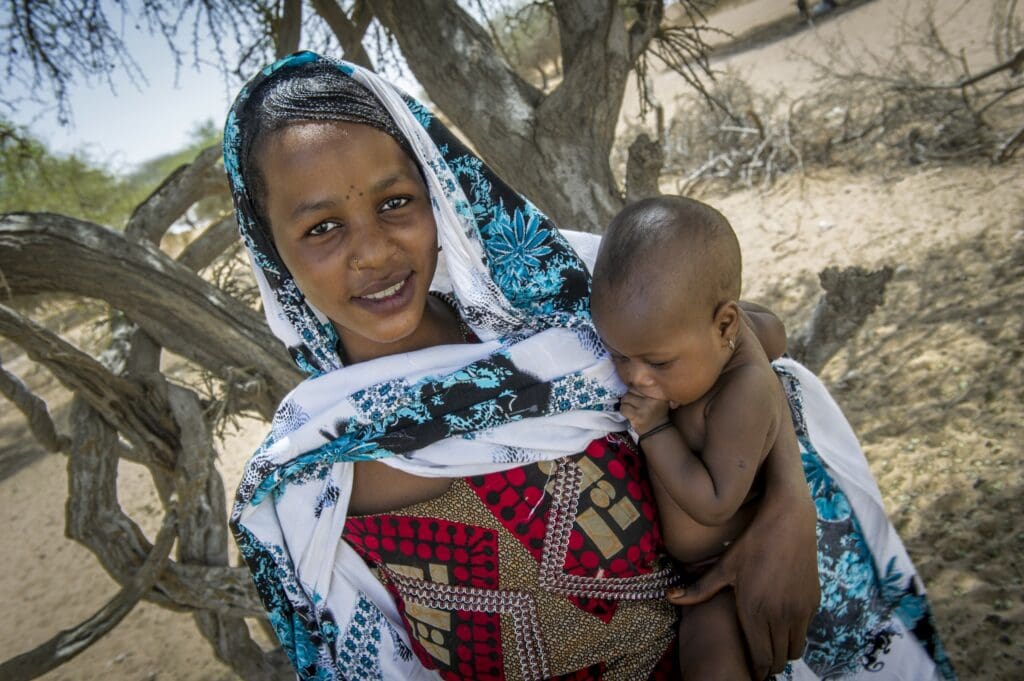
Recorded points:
(394, 203)
(324, 227)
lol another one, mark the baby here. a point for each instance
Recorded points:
(701, 396)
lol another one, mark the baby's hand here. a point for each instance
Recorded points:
(643, 413)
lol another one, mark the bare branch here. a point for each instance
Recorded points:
(35, 411)
(349, 32)
(203, 539)
(289, 28)
(447, 74)
(214, 240)
(69, 643)
(95, 519)
(142, 417)
(1008, 148)
(176, 194)
(46, 252)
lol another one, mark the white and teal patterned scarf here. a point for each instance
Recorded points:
(538, 386)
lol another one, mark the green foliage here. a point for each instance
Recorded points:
(34, 179)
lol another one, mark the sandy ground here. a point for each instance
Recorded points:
(933, 384)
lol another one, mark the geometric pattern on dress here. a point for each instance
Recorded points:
(520, 606)
(577, 518)
(563, 523)
(438, 550)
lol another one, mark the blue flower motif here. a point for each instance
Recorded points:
(520, 243)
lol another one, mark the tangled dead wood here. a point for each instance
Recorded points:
(125, 407)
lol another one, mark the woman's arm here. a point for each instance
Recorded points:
(768, 328)
(773, 565)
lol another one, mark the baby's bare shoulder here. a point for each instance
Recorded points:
(748, 389)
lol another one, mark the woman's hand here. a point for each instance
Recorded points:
(772, 566)
(643, 413)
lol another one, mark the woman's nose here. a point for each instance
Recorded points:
(374, 245)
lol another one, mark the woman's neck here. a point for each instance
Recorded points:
(440, 326)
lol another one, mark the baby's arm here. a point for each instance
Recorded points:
(712, 487)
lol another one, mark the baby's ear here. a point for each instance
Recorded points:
(727, 320)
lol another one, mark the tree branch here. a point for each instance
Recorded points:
(176, 194)
(289, 28)
(95, 519)
(214, 240)
(349, 32)
(35, 411)
(69, 643)
(203, 539)
(42, 252)
(502, 105)
(142, 417)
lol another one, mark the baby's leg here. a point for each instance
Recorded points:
(711, 643)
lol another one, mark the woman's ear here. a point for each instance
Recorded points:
(727, 321)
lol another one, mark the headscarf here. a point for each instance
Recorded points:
(538, 386)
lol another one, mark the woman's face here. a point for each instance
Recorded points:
(353, 222)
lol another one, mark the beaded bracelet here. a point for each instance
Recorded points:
(655, 429)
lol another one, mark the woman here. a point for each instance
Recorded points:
(451, 489)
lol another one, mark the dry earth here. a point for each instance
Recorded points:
(933, 384)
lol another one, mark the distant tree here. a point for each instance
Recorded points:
(32, 178)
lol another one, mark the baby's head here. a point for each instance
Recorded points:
(665, 287)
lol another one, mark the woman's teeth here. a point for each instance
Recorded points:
(386, 293)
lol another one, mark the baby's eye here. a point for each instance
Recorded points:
(394, 203)
(324, 227)
(659, 365)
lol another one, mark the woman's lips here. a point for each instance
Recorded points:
(389, 298)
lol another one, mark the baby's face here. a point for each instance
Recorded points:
(676, 361)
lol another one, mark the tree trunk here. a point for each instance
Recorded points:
(553, 147)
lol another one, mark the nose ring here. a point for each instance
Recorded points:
(355, 263)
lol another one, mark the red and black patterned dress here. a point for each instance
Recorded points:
(552, 570)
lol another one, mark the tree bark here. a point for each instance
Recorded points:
(214, 240)
(643, 166)
(35, 411)
(348, 31)
(289, 28)
(851, 295)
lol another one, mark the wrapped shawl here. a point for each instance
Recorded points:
(450, 411)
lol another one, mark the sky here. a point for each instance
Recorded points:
(134, 122)
(138, 121)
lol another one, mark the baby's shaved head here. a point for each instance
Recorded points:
(667, 252)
